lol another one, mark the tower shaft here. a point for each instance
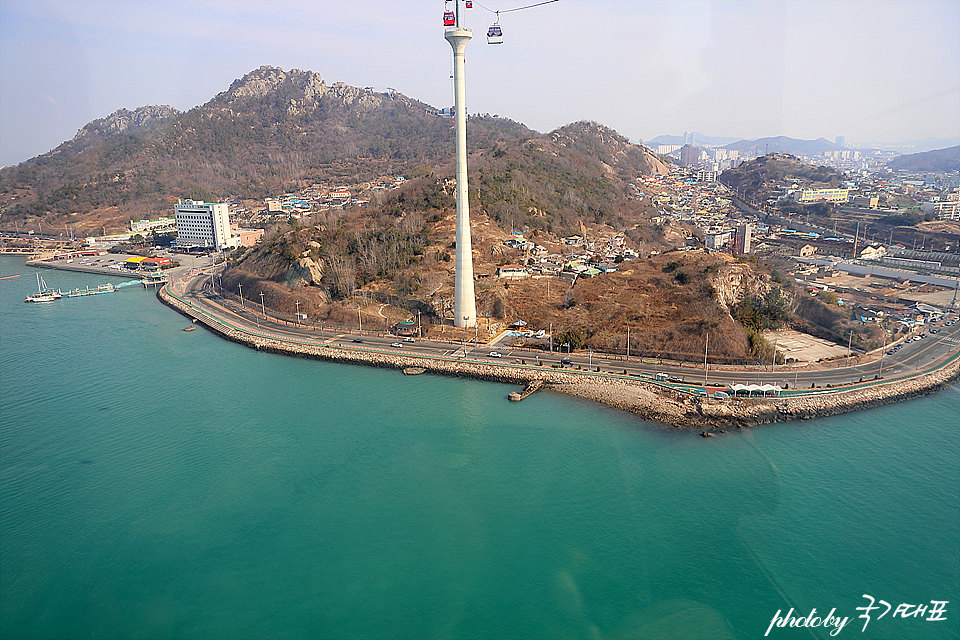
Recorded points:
(464, 301)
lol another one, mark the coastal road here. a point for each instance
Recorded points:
(912, 358)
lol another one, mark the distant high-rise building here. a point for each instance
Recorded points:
(202, 224)
(841, 141)
(689, 156)
(741, 242)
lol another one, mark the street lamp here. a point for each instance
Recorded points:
(883, 352)
(241, 293)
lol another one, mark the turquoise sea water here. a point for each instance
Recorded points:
(156, 483)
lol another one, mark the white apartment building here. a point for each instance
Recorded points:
(716, 239)
(945, 209)
(203, 224)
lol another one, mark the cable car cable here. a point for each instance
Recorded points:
(529, 6)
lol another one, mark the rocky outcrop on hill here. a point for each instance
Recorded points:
(139, 120)
(301, 91)
(734, 281)
(296, 86)
(295, 273)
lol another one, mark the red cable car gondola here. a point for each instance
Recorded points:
(449, 19)
(469, 4)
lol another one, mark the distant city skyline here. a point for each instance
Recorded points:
(869, 70)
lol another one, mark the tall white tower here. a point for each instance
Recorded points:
(464, 301)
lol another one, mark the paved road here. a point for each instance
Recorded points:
(910, 359)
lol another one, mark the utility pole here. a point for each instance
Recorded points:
(856, 240)
(263, 309)
(298, 312)
(775, 341)
(705, 346)
(883, 352)
(465, 303)
(241, 293)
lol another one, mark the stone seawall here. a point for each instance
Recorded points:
(687, 411)
(645, 399)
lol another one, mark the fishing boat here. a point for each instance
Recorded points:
(44, 293)
(104, 288)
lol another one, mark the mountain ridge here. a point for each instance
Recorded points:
(937, 160)
(273, 130)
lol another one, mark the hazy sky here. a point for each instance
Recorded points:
(871, 70)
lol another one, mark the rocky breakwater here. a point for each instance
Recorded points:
(647, 400)
(827, 403)
(684, 410)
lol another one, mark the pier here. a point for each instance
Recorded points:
(517, 396)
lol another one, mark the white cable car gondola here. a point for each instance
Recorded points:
(494, 34)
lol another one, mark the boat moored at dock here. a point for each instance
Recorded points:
(44, 293)
(104, 288)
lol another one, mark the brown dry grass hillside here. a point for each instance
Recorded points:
(667, 302)
(391, 262)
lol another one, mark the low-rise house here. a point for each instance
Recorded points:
(512, 271)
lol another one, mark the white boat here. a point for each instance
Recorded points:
(44, 293)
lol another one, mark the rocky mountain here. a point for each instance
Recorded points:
(273, 130)
(125, 122)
